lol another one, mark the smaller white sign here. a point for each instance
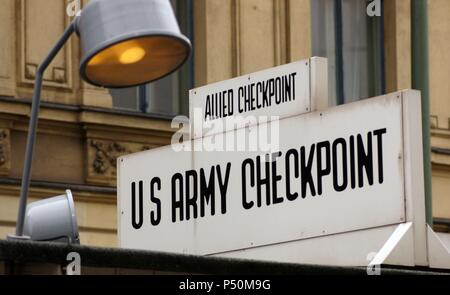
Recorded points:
(256, 98)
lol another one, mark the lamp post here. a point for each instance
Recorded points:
(125, 43)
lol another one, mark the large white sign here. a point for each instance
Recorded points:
(335, 171)
(277, 92)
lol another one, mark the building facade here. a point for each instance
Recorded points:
(83, 129)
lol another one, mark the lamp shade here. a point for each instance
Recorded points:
(52, 219)
(130, 42)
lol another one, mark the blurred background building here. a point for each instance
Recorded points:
(83, 129)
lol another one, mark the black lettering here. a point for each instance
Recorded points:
(177, 204)
(223, 186)
(240, 95)
(271, 90)
(191, 194)
(275, 178)
(260, 181)
(252, 96)
(207, 192)
(379, 134)
(137, 224)
(155, 217)
(306, 170)
(258, 91)
(365, 160)
(208, 108)
(352, 162)
(287, 88)
(322, 171)
(216, 102)
(247, 162)
(292, 152)
(278, 90)
(230, 102)
(266, 101)
(340, 187)
(293, 85)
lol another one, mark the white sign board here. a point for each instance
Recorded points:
(336, 171)
(277, 92)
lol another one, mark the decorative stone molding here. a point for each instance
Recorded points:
(106, 154)
(36, 38)
(8, 48)
(102, 158)
(5, 152)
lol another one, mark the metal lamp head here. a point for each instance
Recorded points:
(130, 42)
(52, 219)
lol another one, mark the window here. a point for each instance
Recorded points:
(353, 43)
(170, 95)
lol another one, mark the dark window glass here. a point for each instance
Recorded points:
(170, 95)
(353, 43)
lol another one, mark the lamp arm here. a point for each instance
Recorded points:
(35, 104)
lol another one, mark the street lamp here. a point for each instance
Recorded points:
(125, 43)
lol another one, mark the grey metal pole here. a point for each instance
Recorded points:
(35, 104)
(420, 81)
